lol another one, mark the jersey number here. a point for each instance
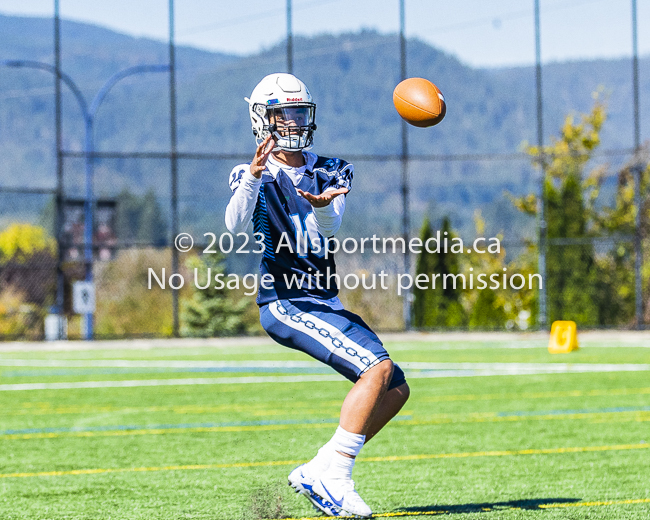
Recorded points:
(307, 233)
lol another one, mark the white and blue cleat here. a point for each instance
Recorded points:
(334, 497)
(302, 482)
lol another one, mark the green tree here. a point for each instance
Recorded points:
(439, 307)
(424, 301)
(572, 269)
(211, 312)
(616, 286)
(581, 285)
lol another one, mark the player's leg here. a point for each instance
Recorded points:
(389, 407)
(366, 409)
(343, 341)
(362, 401)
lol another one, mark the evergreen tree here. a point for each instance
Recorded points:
(210, 311)
(439, 307)
(571, 267)
(424, 300)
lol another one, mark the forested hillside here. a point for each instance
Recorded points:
(351, 77)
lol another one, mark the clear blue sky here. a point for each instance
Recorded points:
(479, 32)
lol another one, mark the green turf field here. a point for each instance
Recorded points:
(559, 436)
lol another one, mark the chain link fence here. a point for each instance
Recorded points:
(487, 189)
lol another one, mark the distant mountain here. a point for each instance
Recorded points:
(351, 76)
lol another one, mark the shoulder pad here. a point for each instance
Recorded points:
(330, 166)
(236, 174)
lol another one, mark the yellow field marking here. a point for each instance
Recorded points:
(602, 503)
(162, 431)
(397, 514)
(48, 409)
(159, 468)
(542, 451)
(614, 416)
(488, 417)
(392, 458)
(254, 408)
(537, 395)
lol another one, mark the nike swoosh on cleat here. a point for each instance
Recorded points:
(338, 503)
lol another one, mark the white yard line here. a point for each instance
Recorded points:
(133, 363)
(426, 370)
(168, 382)
(518, 368)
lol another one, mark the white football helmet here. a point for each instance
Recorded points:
(282, 105)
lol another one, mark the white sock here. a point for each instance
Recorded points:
(342, 441)
(321, 461)
(348, 443)
(340, 467)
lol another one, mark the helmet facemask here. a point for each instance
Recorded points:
(292, 125)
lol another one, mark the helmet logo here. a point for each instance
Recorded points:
(294, 99)
(272, 101)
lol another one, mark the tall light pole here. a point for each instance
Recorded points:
(88, 113)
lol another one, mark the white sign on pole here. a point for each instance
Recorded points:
(83, 297)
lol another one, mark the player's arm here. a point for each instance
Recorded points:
(245, 182)
(330, 216)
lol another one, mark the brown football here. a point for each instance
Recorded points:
(419, 102)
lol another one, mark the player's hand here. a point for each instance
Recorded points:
(322, 200)
(261, 156)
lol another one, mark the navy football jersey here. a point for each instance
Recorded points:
(294, 250)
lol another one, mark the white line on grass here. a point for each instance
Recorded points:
(427, 370)
(515, 368)
(168, 382)
(596, 338)
(130, 363)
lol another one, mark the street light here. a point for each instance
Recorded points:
(88, 113)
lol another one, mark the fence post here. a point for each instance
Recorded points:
(405, 171)
(173, 161)
(542, 318)
(638, 176)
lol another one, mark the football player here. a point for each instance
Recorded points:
(296, 200)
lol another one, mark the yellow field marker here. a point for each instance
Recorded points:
(393, 458)
(564, 337)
